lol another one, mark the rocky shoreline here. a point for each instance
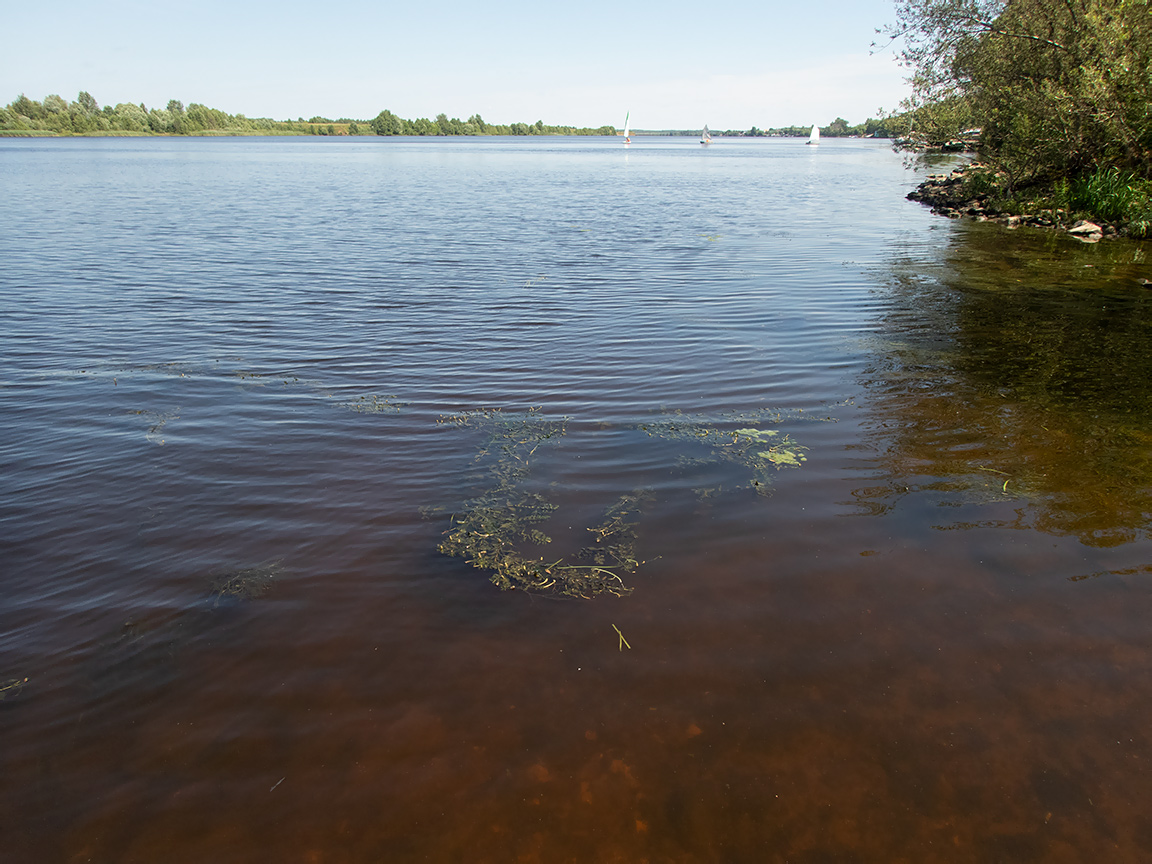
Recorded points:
(946, 195)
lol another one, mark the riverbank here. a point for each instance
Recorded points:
(967, 192)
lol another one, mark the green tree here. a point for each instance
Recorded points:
(1057, 88)
(54, 104)
(198, 118)
(160, 120)
(29, 108)
(87, 103)
(130, 117)
(837, 127)
(387, 123)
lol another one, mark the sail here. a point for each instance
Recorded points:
(705, 136)
(814, 138)
(626, 116)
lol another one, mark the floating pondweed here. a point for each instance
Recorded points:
(761, 450)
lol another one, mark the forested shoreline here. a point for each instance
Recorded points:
(84, 116)
(56, 116)
(1055, 95)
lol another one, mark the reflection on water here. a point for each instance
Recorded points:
(1017, 366)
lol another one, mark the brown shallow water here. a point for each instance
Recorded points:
(224, 485)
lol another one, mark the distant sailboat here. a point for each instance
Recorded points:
(627, 138)
(705, 136)
(814, 138)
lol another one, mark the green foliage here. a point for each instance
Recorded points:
(387, 123)
(1059, 89)
(85, 117)
(54, 104)
(839, 126)
(130, 117)
(1109, 194)
(939, 123)
(27, 108)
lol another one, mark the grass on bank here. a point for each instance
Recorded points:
(1108, 196)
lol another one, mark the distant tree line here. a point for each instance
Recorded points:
(884, 126)
(387, 123)
(55, 116)
(86, 117)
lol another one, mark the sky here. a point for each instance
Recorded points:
(731, 64)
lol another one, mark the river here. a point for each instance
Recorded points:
(846, 508)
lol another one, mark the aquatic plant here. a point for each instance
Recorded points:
(490, 529)
(246, 584)
(764, 451)
(11, 687)
(373, 404)
(155, 433)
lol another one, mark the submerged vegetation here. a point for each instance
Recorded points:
(502, 529)
(11, 687)
(246, 584)
(761, 450)
(491, 530)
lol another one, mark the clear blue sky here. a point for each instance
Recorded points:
(729, 63)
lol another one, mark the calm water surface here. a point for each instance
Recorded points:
(224, 485)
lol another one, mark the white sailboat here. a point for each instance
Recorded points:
(814, 138)
(627, 138)
(705, 136)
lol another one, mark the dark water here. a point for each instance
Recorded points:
(224, 485)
